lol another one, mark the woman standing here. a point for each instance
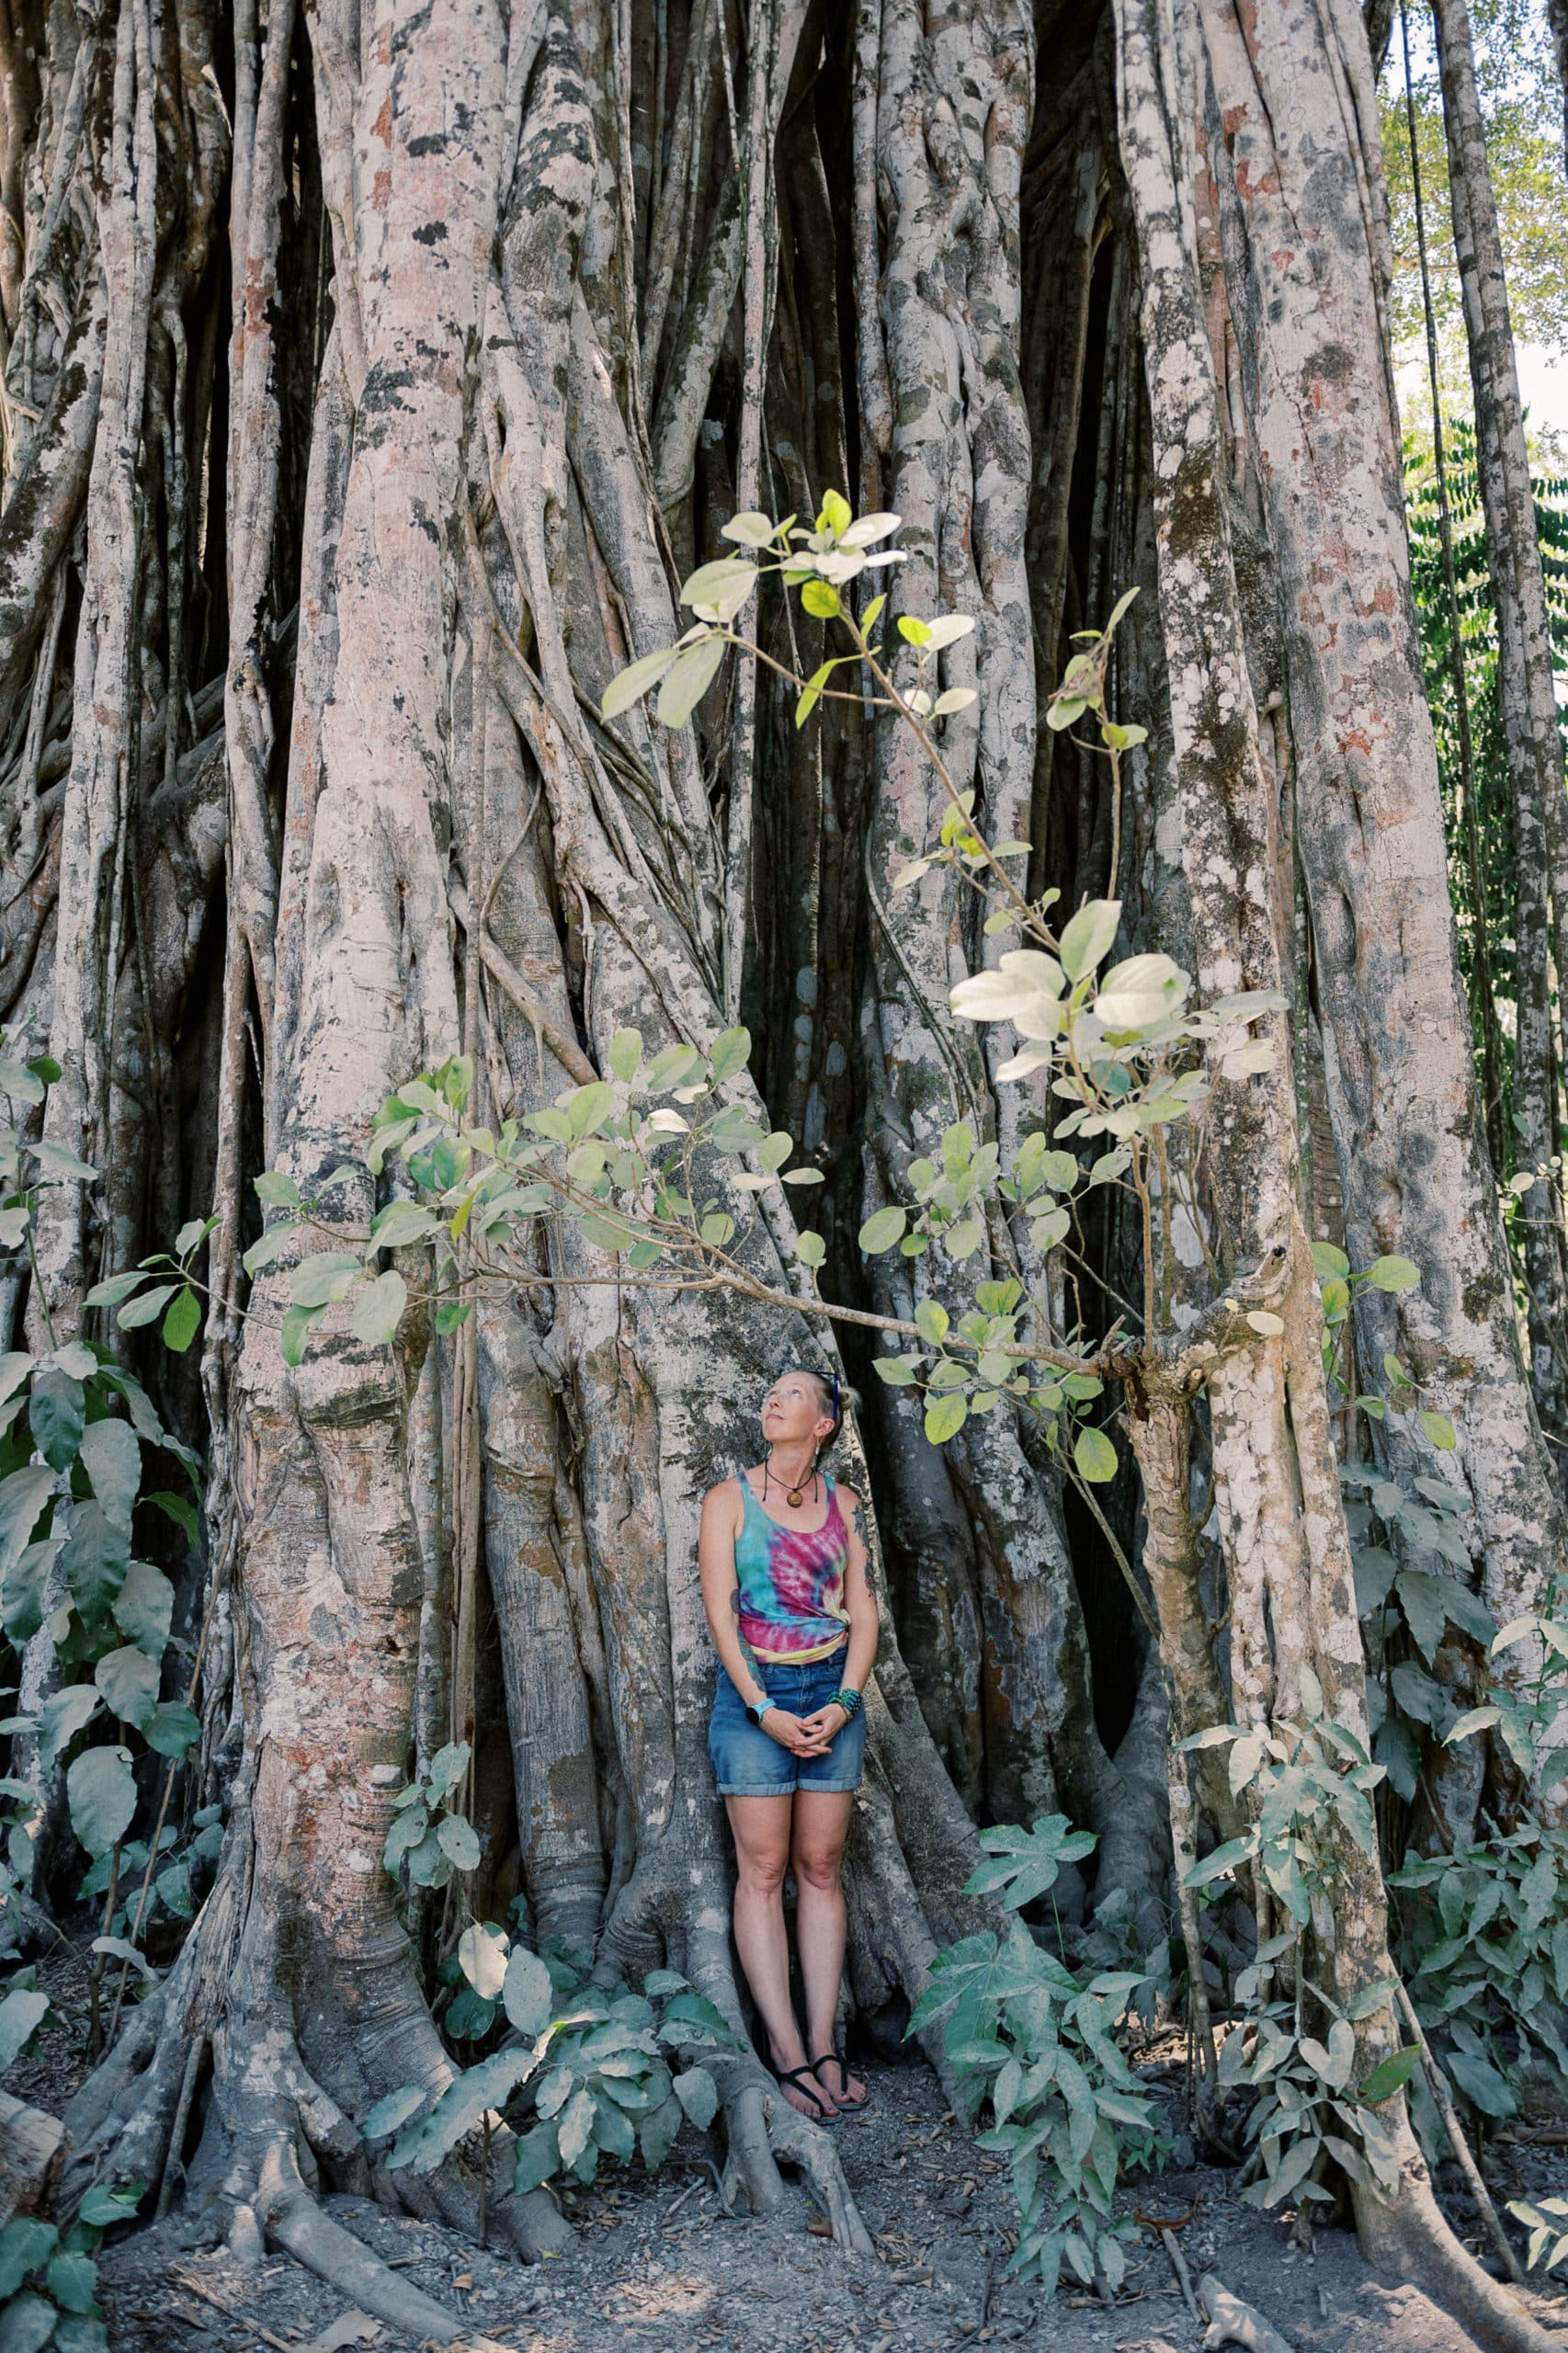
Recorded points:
(789, 1598)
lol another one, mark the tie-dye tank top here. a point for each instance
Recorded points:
(790, 1583)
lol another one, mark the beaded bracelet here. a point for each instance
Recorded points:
(848, 1699)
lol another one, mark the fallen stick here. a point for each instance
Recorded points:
(1184, 2276)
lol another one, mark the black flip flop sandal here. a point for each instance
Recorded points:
(846, 2106)
(813, 2091)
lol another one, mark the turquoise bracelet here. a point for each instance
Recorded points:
(848, 1699)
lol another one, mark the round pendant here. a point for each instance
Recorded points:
(795, 1498)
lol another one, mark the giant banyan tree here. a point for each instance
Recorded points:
(372, 377)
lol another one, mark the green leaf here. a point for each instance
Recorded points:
(26, 2323)
(1389, 2076)
(56, 1414)
(101, 1789)
(151, 1304)
(482, 1957)
(625, 1053)
(459, 1841)
(172, 1728)
(391, 2114)
(183, 1322)
(717, 591)
(690, 675)
(22, 1588)
(945, 1417)
(128, 1681)
(811, 693)
(63, 1715)
(897, 1371)
(628, 686)
(1088, 936)
(821, 601)
(96, 1555)
(1480, 2083)
(22, 2012)
(25, 2243)
(729, 1054)
(809, 1248)
(72, 2276)
(111, 1454)
(176, 1508)
(1330, 1263)
(297, 1324)
(378, 1310)
(22, 1498)
(882, 1229)
(145, 1608)
(931, 1321)
(324, 1276)
(1094, 1456)
(576, 2125)
(1394, 1274)
(699, 2095)
(749, 530)
(539, 2157)
(1440, 1429)
(527, 1994)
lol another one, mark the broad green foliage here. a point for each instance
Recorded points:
(580, 2069)
(428, 1834)
(1311, 1782)
(48, 2277)
(1307, 2110)
(1548, 2226)
(1487, 1960)
(1308, 1785)
(76, 1431)
(1024, 2033)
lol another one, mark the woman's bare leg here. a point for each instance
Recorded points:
(821, 1827)
(761, 1827)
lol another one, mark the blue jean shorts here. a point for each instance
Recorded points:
(749, 1762)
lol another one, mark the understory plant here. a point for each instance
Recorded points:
(1035, 2042)
(78, 1434)
(582, 2068)
(49, 2276)
(1307, 1783)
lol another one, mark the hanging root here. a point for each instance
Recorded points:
(1407, 2237)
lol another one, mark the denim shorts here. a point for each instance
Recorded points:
(749, 1762)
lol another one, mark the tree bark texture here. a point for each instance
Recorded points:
(363, 411)
(1532, 728)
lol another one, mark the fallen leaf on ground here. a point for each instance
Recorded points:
(352, 2327)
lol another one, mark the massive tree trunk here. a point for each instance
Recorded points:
(1291, 133)
(304, 785)
(1533, 729)
(1287, 1552)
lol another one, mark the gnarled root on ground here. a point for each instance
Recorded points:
(270, 2137)
(1406, 2237)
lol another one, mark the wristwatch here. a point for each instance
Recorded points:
(757, 1708)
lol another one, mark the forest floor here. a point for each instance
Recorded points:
(659, 2267)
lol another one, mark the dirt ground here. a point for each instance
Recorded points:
(658, 2266)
